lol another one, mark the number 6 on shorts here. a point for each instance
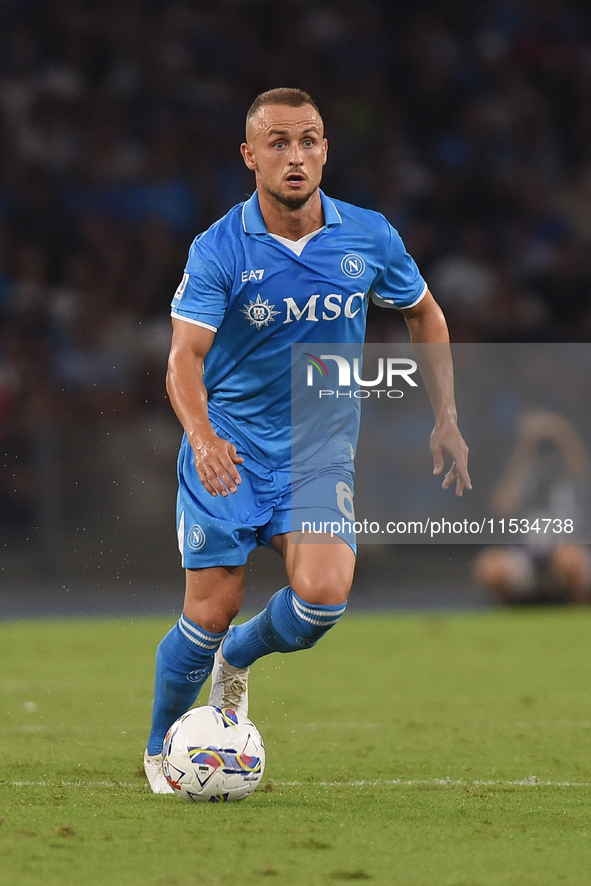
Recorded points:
(345, 500)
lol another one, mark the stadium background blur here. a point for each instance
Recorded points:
(468, 125)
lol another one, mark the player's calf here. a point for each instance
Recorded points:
(287, 624)
(183, 663)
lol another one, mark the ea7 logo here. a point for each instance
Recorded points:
(252, 275)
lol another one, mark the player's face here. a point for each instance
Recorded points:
(286, 149)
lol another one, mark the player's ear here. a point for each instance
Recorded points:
(248, 155)
(325, 146)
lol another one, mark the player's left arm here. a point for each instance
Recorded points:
(430, 337)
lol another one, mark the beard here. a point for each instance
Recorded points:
(292, 201)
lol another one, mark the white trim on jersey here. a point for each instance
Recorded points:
(389, 303)
(181, 533)
(194, 322)
(296, 246)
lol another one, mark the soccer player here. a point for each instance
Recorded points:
(289, 265)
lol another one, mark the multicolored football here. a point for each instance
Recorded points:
(213, 755)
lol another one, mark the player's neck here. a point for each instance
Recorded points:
(293, 224)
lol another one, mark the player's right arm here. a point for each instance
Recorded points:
(215, 458)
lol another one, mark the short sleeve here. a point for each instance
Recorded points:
(202, 294)
(400, 284)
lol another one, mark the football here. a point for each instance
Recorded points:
(213, 755)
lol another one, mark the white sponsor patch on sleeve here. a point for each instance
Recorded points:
(180, 289)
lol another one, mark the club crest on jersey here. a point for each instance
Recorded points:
(196, 537)
(259, 312)
(353, 265)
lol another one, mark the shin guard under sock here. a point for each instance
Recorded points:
(183, 663)
(287, 624)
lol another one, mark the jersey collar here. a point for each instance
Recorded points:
(253, 222)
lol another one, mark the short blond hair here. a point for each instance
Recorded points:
(293, 98)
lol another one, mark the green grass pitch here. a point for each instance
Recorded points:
(418, 750)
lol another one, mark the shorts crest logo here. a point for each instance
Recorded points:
(353, 265)
(259, 312)
(196, 537)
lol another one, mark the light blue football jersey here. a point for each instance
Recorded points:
(261, 297)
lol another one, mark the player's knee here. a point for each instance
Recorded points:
(322, 573)
(323, 594)
(212, 616)
(213, 596)
(328, 590)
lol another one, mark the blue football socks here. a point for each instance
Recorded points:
(183, 663)
(288, 623)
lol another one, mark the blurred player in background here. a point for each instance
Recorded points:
(272, 272)
(548, 477)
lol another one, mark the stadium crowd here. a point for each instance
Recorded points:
(468, 125)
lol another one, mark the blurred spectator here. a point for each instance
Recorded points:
(547, 480)
(467, 125)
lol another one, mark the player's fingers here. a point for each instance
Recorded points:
(210, 482)
(460, 486)
(223, 482)
(464, 478)
(210, 473)
(218, 472)
(208, 486)
(438, 461)
(449, 477)
(237, 459)
(461, 466)
(228, 483)
(227, 477)
(228, 472)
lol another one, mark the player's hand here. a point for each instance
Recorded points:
(215, 461)
(446, 439)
